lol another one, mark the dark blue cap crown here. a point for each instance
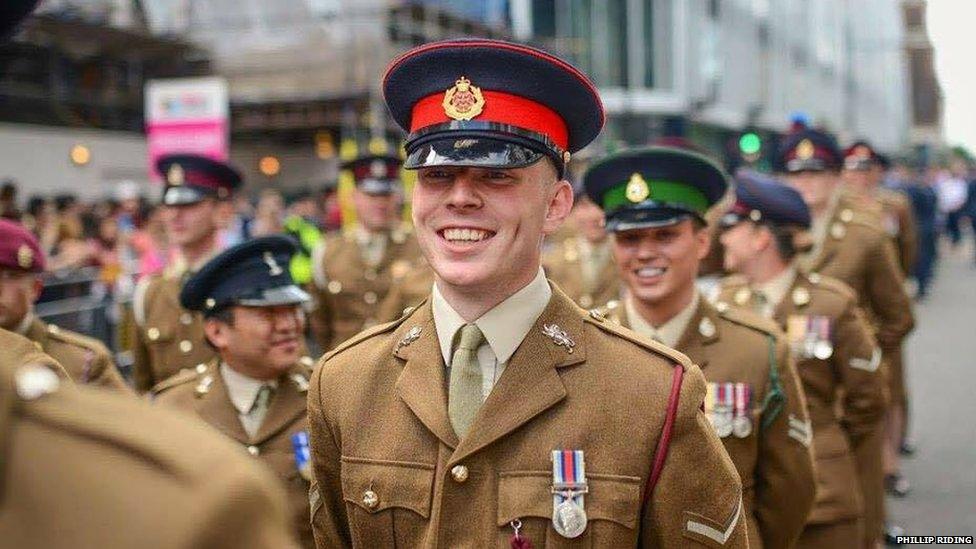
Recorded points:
(254, 273)
(763, 199)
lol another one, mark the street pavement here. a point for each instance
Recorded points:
(941, 363)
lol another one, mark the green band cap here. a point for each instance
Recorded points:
(665, 193)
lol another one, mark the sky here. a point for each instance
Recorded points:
(951, 24)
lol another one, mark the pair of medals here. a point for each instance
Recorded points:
(568, 487)
(303, 454)
(810, 336)
(728, 406)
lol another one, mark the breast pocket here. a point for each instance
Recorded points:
(387, 502)
(160, 338)
(612, 507)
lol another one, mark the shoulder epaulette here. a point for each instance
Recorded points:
(72, 338)
(185, 375)
(372, 332)
(831, 284)
(749, 320)
(600, 321)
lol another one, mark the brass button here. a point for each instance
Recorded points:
(186, 346)
(335, 287)
(186, 319)
(370, 274)
(369, 298)
(459, 473)
(370, 499)
(153, 334)
(201, 368)
(253, 450)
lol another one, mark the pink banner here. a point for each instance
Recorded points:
(207, 138)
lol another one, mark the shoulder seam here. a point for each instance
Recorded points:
(676, 357)
(370, 332)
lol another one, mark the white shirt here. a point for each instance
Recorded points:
(668, 333)
(243, 391)
(504, 327)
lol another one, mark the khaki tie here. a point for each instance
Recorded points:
(464, 396)
(260, 407)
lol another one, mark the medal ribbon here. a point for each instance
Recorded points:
(742, 396)
(568, 473)
(300, 446)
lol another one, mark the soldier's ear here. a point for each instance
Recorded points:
(559, 207)
(215, 331)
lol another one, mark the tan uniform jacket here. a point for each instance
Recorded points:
(84, 469)
(347, 291)
(893, 213)
(86, 360)
(774, 460)
(564, 266)
(202, 392)
(167, 338)
(410, 291)
(850, 374)
(391, 471)
(17, 350)
(859, 253)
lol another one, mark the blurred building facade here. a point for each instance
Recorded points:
(304, 74)
(926, 100)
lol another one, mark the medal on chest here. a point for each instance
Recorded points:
(742, 418)
(303, 457)
(810, 336)
(719, 407)
(568, 487)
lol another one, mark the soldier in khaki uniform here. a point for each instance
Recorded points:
(863, 170)
(582, 265)
(136, 478)
(848, 245)
(520, 440)
(655, 201)
(353, 272)
(836, 355)
(168, 337)
(255, 390)
(86, 360)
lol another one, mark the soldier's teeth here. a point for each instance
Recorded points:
(470, 235)
(650, 271)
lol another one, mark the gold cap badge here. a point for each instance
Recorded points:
(463, 101)
(805, 150)
(637, 189)
(175, 175)
(25, 256)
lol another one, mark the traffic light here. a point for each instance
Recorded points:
(750, 147)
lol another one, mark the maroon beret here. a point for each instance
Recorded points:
(19, 248)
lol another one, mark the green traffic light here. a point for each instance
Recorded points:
(750, 143)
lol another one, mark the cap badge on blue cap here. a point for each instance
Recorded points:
(637, 189)
(463, 101)
(175, 175)
(377, 168)
(805, 150)
(25, 256)
(273, 268)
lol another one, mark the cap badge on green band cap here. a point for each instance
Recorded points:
(637, 189)
(666, 193)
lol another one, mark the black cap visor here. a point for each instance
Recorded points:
(271, 297)
(633, 218)
(471, 151)
(183, 195)
(378, 187)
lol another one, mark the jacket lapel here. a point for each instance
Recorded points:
(287, 406)
(530, 383)
(422, 381)
(697, 337)
(216, 408)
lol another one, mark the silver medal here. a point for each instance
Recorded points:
(742, 427)
(723, 422)
(569, 519)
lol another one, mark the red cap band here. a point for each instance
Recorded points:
(500, 107)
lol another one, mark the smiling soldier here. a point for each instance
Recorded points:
(497, 413)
